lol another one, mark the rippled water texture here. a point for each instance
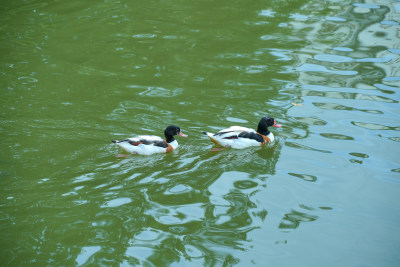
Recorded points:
(77, 74)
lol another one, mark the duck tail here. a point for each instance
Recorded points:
(211, 136)
(120, 141)
(208, 134)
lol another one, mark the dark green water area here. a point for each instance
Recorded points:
(75, 75)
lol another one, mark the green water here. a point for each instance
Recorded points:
(77, 74)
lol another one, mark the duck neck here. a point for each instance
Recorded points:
(263, 131)
(169, 138)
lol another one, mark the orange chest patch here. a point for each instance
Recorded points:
(266, 139)
(169, 148)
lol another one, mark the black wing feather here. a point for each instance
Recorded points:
(221, 133)
(161, 144)
(252, 135)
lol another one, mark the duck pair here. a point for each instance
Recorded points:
(233, 137)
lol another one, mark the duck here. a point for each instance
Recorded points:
(241, 137)
(151, 144)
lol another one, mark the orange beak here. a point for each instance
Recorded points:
(276, 125)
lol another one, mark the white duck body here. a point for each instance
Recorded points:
(229, 137)
(151, 144)
(240, 137)
(145, 149)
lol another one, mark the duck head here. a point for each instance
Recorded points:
(171, 131)
(265, 123)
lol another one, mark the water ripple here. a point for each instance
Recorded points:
(373, 126)
(117, 202)
(307, 67)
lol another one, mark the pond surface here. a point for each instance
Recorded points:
(77, 74)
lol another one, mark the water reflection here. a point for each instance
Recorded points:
(136, 217)
(305, 177)
(203, 218)
(293, 219)
(361, 59)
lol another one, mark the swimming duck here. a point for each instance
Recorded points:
(240, 137)
(150, 144)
